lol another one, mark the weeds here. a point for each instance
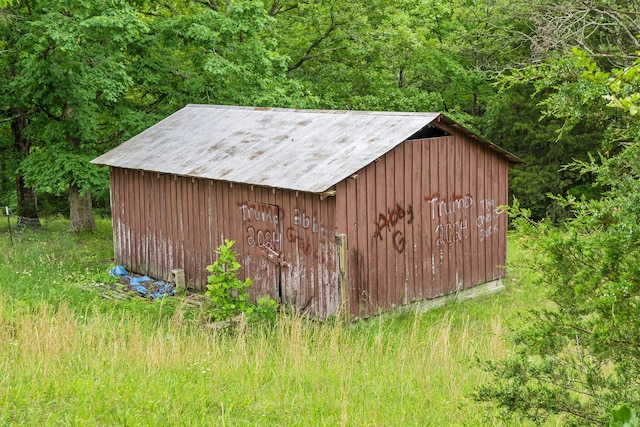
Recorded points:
(68, 356)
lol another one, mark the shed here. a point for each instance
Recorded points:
(330, 210)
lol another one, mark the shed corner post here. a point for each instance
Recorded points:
(343, 276)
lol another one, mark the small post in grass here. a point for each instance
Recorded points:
(6, 211)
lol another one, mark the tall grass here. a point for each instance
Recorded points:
(75, 361)
(59, 367)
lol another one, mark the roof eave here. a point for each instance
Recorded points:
(512, 158)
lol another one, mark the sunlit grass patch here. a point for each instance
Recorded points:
(69, 356)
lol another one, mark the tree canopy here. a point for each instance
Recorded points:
(83, 77)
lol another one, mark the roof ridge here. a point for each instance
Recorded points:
(310, 110)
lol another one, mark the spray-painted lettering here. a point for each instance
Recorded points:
(302, 220)
(264, 239)
(443, 207)
(303, 229)
(260, 212)
(399, 242)
(486, 221)
(390, 220)
(300, 238)
(261, 225)
(452, 232)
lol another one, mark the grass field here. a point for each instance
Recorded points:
(68, 356)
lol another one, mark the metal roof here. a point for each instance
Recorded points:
(305, 150)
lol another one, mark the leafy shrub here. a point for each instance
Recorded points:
(579, 355)
(625, 417)
(229, 295)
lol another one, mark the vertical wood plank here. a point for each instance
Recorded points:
(151, 252)
(393, 191)
(449, 283)
(356, 279)
(407, 253)
(342, 246)
(468, 215)
(502, 221)
(438, 185)
(366, 203)
(329, 225)
(291, 284)
(398, 203)
(473, 227)
(419, 237)
(382, 171)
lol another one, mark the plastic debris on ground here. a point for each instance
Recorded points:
(143, 285)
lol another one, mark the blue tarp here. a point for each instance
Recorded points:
(143, 285)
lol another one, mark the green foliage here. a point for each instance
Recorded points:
(265, 309)
(625, 417)
(229, 295)
(55, 267)
(580, 356)
(116, 362)
(54, 168)
(549, 116)
(409, 369)
(65, 73)
(399, 55)
(86, 76)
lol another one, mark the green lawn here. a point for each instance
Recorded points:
(68, 356)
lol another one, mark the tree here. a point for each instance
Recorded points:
(15, 114)
(83, 76)
(65, 72)
(606, 30)
(544, 112)
(549, 118)
(401, 55)
(580, 356)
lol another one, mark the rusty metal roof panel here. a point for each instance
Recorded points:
(305, 150)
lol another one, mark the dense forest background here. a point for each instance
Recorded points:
(80, 77)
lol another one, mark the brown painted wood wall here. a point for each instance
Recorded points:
(285, 239)
(422, 222)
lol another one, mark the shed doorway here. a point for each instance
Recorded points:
(262, 240)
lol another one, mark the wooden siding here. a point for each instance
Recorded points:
(422, 222)
(285, 238)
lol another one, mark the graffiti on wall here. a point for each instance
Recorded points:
(487, 219)
(261, 223)
(303, 230)
(387, 223)
(451, 215)
(444, 207)
(449, 230)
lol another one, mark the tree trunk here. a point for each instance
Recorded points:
(4, 188)
(27, 206)
(81, 211)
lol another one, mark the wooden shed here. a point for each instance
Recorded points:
(362, 211)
